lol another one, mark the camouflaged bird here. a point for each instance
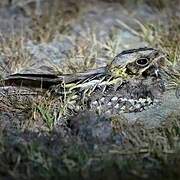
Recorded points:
(131, 82)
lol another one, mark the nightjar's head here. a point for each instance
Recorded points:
(137, 62)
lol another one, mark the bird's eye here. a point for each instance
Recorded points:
(142, 62)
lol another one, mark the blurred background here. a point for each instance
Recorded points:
(58, 36)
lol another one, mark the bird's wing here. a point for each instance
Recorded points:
(47, 80)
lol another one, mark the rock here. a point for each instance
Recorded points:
(92, 128)
(155, 115)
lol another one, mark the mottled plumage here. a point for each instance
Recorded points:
(131, 82)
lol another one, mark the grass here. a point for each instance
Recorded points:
(151, 153)
(33, 149)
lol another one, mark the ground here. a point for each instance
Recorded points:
(73, 36)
